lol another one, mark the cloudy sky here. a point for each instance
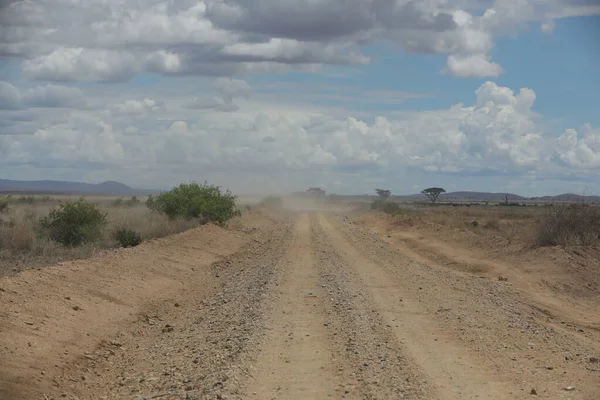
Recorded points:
(279, 95)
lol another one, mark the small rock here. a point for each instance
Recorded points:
(502, 278)
(176, 304)
(533, 391)
(569, 388)
(76, 308)
(168, 328)
(595, 360)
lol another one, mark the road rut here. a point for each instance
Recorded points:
(296, 361)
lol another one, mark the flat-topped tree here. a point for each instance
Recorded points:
(383, 193)
(433, 193)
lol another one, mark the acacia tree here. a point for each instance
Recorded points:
(383, 193)
(433, 193)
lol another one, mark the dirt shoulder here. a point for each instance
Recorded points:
(562, 282)
(53, 317)
(475, 337)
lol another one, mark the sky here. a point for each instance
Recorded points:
(272, 96)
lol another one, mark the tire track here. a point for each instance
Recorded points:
(296, 361)
(447, 365)
(374, 365)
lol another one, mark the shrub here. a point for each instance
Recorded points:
(127, 237)
(120, 201)
(74, 223)
(387, 207)
(133, 201)
(575, 224)
(4, 203)
(191, 201)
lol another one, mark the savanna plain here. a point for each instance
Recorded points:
(296, 298)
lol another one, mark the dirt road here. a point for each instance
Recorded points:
(309, 306)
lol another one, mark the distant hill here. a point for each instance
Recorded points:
(66, 187)
(463, 196)
(568, 197)
(481, 196)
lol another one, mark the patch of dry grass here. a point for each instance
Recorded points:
(576, 225)
(23, 246)
(563, 225)
(513, 224)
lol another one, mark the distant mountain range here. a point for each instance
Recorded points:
(66, 187)
(499, 197)
(120, 189)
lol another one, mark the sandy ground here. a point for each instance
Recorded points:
(309, 305)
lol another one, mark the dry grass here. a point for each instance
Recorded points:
(564, 225)
(514, 224)
(23, 246)
(576, 225)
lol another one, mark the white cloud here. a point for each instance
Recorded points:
(287, 130)
(498, 132)
(179, 127)
(53, 96)
(579, 151)
(136, 107)
(548, 26)
(79, 64)
(100, 40)
(10, 96)
(163, 62)
(472, 66)
(228, 90)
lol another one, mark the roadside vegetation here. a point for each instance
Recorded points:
(41, 230)
(530, 225)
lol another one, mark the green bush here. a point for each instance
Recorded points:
(387, 207)
(74, 223)
(192, 201)
(127, 237)
(4, 203)
(26, 200)
(120, 201)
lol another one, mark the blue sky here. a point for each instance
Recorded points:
(475, 95)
